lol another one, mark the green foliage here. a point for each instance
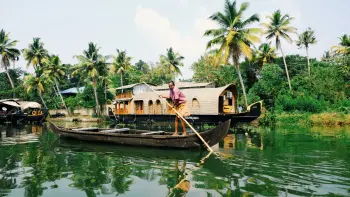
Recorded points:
(8, 52)
(342, 106)
(173, 61)
(142, 66)
(159, 74)
(297, 65)
(34, 54)
(300, 102)
(204, 71)
(5, 85)
(327, 82)
(270, 84)
(269, 118)
(294, 118)
(86, 99)
(306, 39)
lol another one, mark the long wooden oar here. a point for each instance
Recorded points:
(201, 162)
(200, 137)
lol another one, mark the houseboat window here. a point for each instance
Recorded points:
(195, 106)
(158, 107)
(195, 102)
(139, 107)
(150, 107)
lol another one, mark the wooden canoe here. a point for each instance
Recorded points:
(134, 137)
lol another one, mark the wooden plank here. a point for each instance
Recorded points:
(153, 132)
(116, 130)
(86, 129)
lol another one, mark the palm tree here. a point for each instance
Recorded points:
(344, 46)
(306, 39)
(121, 64)
(92, 66)
(277, 28)
(266, 54)
(55, 70)
(326, 56)
(172, 61)
(36, 84)
(234, 37)
(8, 53)
(105, 83)
(34, 54)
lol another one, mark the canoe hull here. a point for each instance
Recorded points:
(191, 141)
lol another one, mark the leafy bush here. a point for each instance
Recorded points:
(300, 102)
(270, 84)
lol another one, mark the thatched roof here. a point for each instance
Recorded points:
(183, 85)
(131, 86)
(180, 85)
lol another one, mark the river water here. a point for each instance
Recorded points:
(282, 161)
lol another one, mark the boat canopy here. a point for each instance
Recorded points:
(11, 103)
(28, 104)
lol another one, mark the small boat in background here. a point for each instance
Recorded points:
(133, 137)
(16, 110)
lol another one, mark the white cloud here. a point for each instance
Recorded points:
(159, 28)
(184, 2)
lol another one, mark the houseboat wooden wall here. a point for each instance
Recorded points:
(200, 101)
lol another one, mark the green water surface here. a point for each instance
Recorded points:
(284, 161)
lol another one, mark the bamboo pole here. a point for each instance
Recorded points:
(194, 130)
(201, 162)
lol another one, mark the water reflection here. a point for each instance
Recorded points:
(266, 162)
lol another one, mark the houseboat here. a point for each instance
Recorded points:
(16, 110)
(207, 104)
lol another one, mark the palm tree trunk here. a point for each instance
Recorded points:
(98, 112)
(285, 66)
(58, 90)
(54, 88)
(42, 100)
(308, 60)
(106, 91)
(242, 84)
(121, 80)
(11, 82)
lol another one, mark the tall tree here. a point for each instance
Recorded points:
(306, 39)
(8, 53)
(121, 64)
(326, 56)
(142, 66)
(233, 36)
(34, 54)
(92, 66)
(55, 70)
(279, 27)
(344, 46)
(172, 60)
(265, 54)
(36, 84)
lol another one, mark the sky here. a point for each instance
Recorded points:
(145, 29)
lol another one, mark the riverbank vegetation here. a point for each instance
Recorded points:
(294, 88)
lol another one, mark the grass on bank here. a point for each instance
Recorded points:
(306, 119)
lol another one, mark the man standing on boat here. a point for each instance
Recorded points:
(179, 104)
